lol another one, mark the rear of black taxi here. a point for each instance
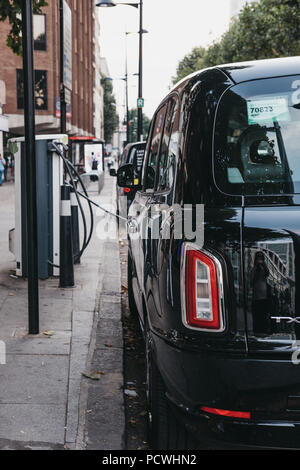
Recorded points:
(222, 318)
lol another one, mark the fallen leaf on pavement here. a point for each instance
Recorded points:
(92, 375)
(48, 333)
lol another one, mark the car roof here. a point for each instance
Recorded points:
(252, 70)
(257, 69)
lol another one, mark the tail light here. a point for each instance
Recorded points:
(230, 414)
(126, 190)
(203, 291)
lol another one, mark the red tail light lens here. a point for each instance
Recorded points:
(232, 414)
(201, 292)
(126, 190)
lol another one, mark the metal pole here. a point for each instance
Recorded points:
(63, 107)
(66, 272)
(126, 83)
(140, 111)
(30, 168)
(75, 227)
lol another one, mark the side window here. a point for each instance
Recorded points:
(137, 159)
(39, 32)
(40, 89)
(131, 155)
(167, 157)
(157, 130)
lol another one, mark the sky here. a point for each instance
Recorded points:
(174, 28)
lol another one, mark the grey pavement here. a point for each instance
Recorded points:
(45, 401)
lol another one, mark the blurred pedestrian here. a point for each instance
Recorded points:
(94, 161)
(12, 167)
(2, 168)
(110, 162)
(7, 165)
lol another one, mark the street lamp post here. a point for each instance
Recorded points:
(110, 3)
(126, 84)
(140, 92)
(63, 106)
(30, 169)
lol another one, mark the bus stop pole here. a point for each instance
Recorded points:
(30, 168)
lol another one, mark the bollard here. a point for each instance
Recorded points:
(66, 277)
(75, 227)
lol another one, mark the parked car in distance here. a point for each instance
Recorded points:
(133, 154)
(220, 310)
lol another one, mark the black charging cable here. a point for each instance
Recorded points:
(69, 167)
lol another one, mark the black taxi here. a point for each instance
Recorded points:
(214, 258)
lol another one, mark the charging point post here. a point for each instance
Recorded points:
(75, 227)
(66, 277)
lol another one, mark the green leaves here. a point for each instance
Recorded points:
(133, 124)
(189, 63)
(262, 30)
(111, 118)
(11, 11)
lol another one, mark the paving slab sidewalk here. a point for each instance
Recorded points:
(43, 395)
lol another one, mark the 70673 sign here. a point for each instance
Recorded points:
(267, 109)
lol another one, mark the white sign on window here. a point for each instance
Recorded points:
(268, 109)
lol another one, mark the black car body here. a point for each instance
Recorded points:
(221, 315)
(132, 154)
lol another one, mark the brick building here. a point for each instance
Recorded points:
(85, 115)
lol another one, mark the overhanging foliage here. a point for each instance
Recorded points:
(11, 10)
(262, 30)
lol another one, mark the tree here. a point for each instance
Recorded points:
(11, 11)
(189, 63)
(111, 118)
(133, 125)
(262, 30)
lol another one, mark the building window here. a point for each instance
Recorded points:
(39, 32)
(41, 94)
